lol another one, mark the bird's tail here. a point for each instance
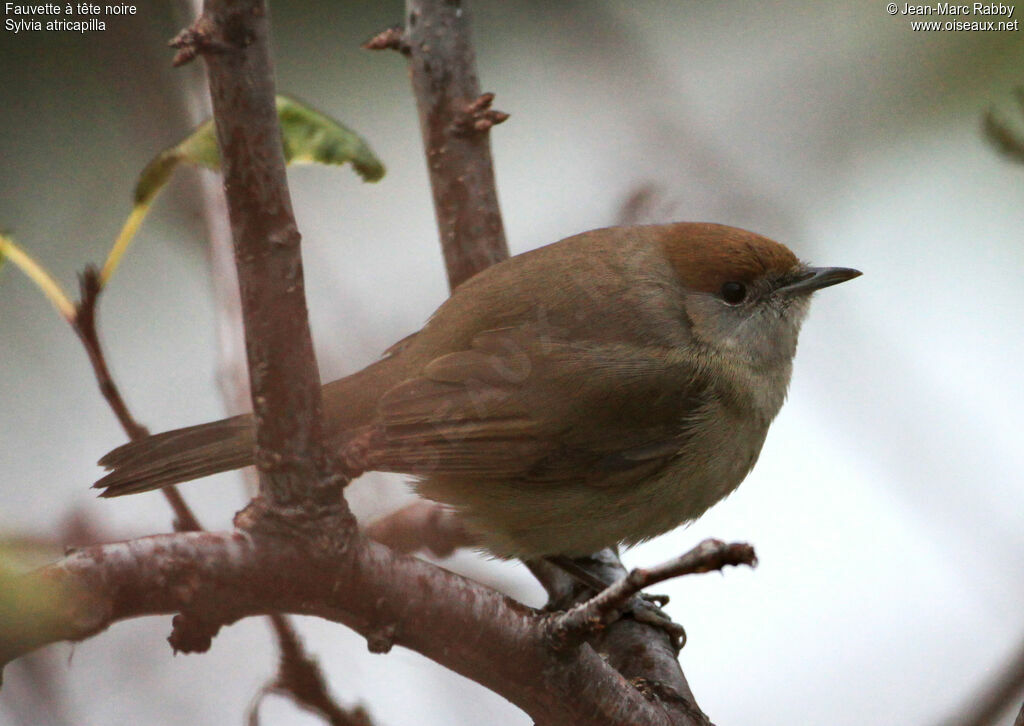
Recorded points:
(178, 456)
(197, 451)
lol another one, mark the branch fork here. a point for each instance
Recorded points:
(293, 551)
(570, 627)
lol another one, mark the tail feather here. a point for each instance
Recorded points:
(197, 451)
(178, 456)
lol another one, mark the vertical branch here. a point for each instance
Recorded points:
(232, 375)
(299, 675)
(454, 119)
(234, 38)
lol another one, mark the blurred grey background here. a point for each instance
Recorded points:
(887, 506)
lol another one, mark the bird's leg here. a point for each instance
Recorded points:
(577, 570)
(596, 573)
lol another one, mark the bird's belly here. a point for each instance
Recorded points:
(514, 519)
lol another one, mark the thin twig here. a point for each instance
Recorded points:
(301, 680)
(392, 38)
(84, 325)
(421, 525)
(709, 555)
(984, 708)
(1004, 136)
(232, 375)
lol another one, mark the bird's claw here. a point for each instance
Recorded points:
(646, 609)
(659, 600)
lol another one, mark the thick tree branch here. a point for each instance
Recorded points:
(391, 599)
(299, 675)
(281, 559)
(234, 37)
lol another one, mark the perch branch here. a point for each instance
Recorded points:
(391, 599)
(604, 608)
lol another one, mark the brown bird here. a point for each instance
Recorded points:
(598, 391)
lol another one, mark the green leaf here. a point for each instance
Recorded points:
(312, 138)
(308, 136)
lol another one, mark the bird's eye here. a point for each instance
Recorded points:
(734, 292)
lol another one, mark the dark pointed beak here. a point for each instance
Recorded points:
(815, 278)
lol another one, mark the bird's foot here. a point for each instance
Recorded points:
(647, 609)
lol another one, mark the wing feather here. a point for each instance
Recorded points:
(499, 410)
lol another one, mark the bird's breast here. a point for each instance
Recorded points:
(714, 462)
(575, 518)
